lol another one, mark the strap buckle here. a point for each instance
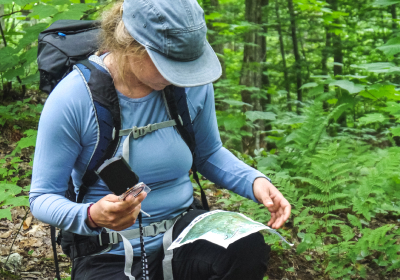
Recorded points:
(113, 235)
(141, 131)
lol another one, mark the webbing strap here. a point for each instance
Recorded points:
(150, 230)
(142, 131)
(168, 255)
(139, 132)
(128, 257)
(53, 245)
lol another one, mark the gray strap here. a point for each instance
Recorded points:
(168, 255)
(139, 132)
(166, 105)
(128, 257)
(142, 131)
(150, 230)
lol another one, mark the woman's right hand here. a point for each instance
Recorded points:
(117, 215)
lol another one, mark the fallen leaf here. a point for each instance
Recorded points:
(27, 222)
(6, 234)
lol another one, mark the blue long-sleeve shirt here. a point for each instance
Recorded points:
(68, 134)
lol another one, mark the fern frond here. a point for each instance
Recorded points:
(347, 232)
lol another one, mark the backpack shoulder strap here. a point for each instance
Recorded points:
(108, 117)
(177, 106)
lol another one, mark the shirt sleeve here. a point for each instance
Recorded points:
(66, 121)
(212, 160)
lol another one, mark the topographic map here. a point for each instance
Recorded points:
(220, 227)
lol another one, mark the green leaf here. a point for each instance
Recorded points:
(5, 213)
(259, 115)
(31, 79)
(309, 85)
(234, 123)
(290, 269)
(75, 11)
(379, 67)
(354, 221)
(29, 56)
(338, 111)
(395, 131)
(372, 118)
(23, 2)
(42, 11)
(213, 16)
(31, 34)
(302, 247)
(268, 162)
(347, 85)
(385, 3)
(8, 58)
(13, 73)
(391, 47)
(29, 141)
(9, 189)
(17, 201)
(60, 2)
(236, 102)
(5, 2)
(378, 91)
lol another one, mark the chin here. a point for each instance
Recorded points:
(159, 87)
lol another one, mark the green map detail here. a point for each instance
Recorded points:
(222, 223)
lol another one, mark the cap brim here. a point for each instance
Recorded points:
(204, 70)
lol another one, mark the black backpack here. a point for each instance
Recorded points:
(70, 42)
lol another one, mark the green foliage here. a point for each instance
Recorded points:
(334, 154)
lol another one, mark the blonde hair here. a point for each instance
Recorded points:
(116, 39)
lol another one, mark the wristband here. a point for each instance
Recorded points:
(90, 217)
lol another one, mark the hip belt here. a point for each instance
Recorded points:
(93, 245)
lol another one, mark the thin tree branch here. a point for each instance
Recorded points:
(13, 12)
(23, 220)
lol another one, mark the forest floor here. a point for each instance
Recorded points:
(33, 243)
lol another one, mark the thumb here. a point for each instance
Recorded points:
(267, 200)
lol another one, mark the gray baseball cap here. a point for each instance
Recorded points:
(174, 35)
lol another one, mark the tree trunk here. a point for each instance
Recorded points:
(337, 44)
(297, 66)
(265, 82)
(326, 53)
(282, 49)
(2, 27)
(211, 6)
(393, 11)
(251, 73)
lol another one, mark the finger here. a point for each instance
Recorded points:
(136, 211)
(111, 198)
(272, 220)
(131, 202)
(279, 222)
(127, 220)
(287, 211)
(138, 199)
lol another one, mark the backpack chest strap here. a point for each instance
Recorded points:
(137, 132)
(143, 130)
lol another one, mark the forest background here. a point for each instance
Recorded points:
(309, 95)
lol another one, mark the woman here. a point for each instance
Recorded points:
(148, 45)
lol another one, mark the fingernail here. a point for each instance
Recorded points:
(270, 202)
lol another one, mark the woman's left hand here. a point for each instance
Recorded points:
(268, 194)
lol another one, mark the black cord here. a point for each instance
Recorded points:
(145, 268)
